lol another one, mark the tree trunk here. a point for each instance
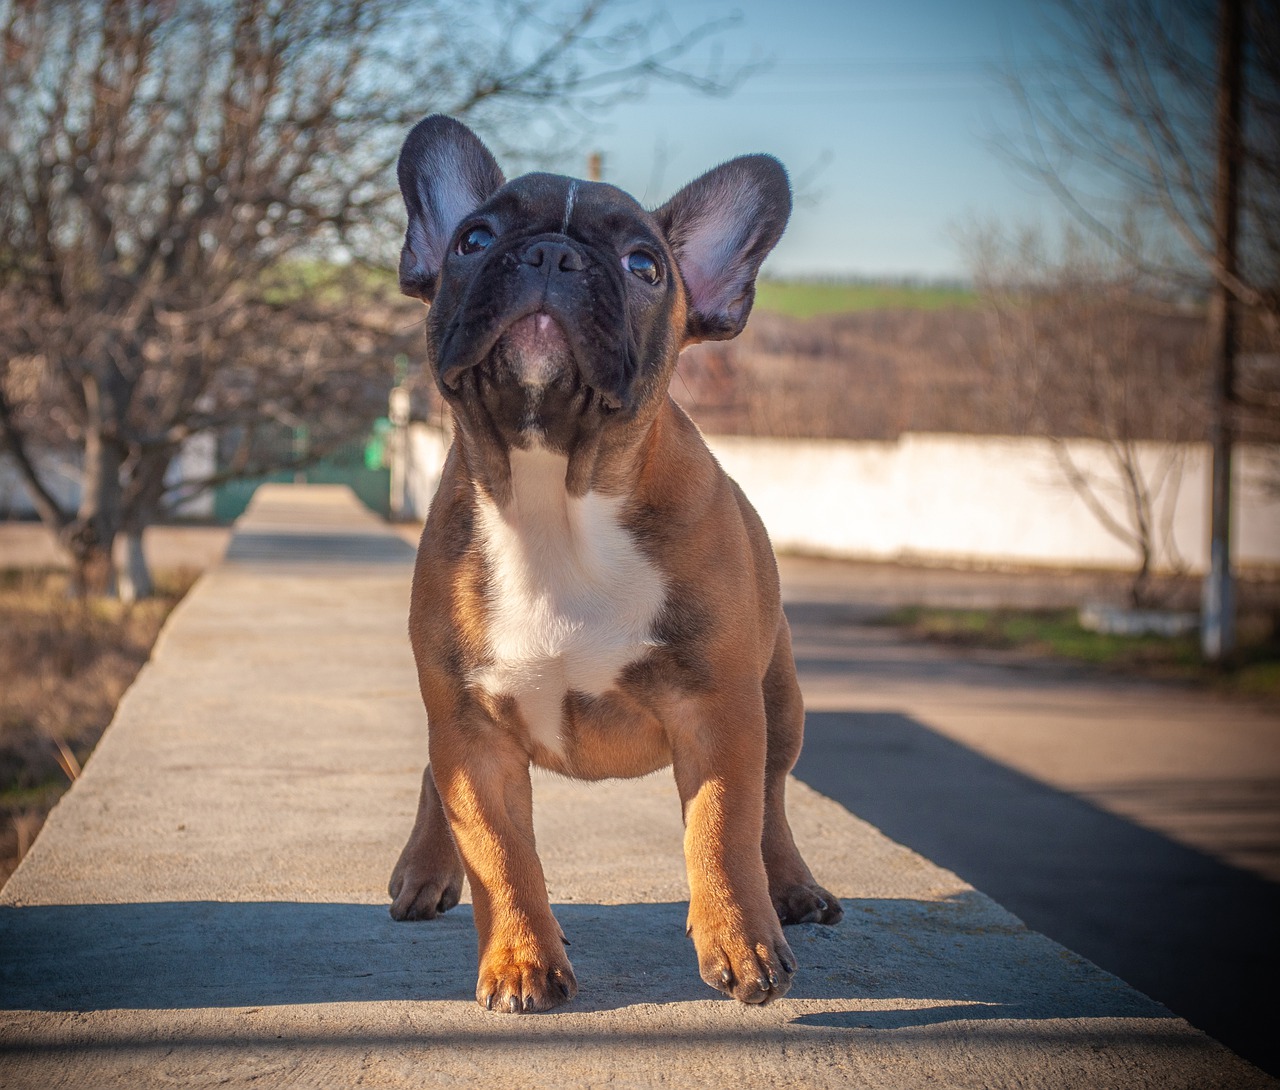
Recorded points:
(90, 546)
(1140, 589)
(143, 502)
(134, 579)
(1217, 622)
(90, 537)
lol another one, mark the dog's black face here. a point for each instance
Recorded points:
(558, 307)
(554, 309)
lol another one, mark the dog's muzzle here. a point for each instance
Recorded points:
(545, 325)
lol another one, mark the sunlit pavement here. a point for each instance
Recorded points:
(207, 905)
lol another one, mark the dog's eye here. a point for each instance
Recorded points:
(643, 265)
(475, 240)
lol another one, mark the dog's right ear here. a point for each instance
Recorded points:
(445, 172)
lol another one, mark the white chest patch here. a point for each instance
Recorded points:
(572, 600)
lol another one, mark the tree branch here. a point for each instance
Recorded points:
(46, 505)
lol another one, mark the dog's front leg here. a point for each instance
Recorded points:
(483, 779)
(718, 750)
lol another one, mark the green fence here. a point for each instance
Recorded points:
(349, 465)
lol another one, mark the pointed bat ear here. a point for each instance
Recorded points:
(720, 228)
(445, 173)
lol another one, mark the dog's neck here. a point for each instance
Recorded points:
(606, 462)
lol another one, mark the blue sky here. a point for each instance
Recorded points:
(883, 113)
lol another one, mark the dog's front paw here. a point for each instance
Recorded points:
(754, 965)
(425, 884)
(521, 981)
(806, 902)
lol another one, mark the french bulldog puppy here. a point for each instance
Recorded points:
(593, 595)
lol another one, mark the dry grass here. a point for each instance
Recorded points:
(65, 663)
(874, 374)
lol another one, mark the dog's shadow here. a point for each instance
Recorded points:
(966, 957)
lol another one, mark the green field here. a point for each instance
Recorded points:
(801, 298)
(808, 298)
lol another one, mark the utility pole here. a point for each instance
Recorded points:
(1217, 623)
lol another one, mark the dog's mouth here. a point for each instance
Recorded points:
(535, 350)
(532, 356)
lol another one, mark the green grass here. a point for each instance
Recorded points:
(39, 796)
(1254, 671)
(802, 298)
(809, 298)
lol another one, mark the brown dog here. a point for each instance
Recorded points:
(593, 594)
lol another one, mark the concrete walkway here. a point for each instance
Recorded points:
(207, 905)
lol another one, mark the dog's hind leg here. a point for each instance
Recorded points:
(797, 898)
(427, 878)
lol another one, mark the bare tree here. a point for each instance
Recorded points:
(1122, 119)
(176, 174)
(1175, 106)
(1083, 347)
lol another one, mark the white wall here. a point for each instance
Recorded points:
(61, 476)
(426, 447)
(984, 500)
(196, 461)
(60, 472)
(970, 500)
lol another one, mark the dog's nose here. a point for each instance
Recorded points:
(554, 256)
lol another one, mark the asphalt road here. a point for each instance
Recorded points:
(1136, 823)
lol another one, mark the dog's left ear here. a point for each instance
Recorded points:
(445, 173)
(721, 227)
